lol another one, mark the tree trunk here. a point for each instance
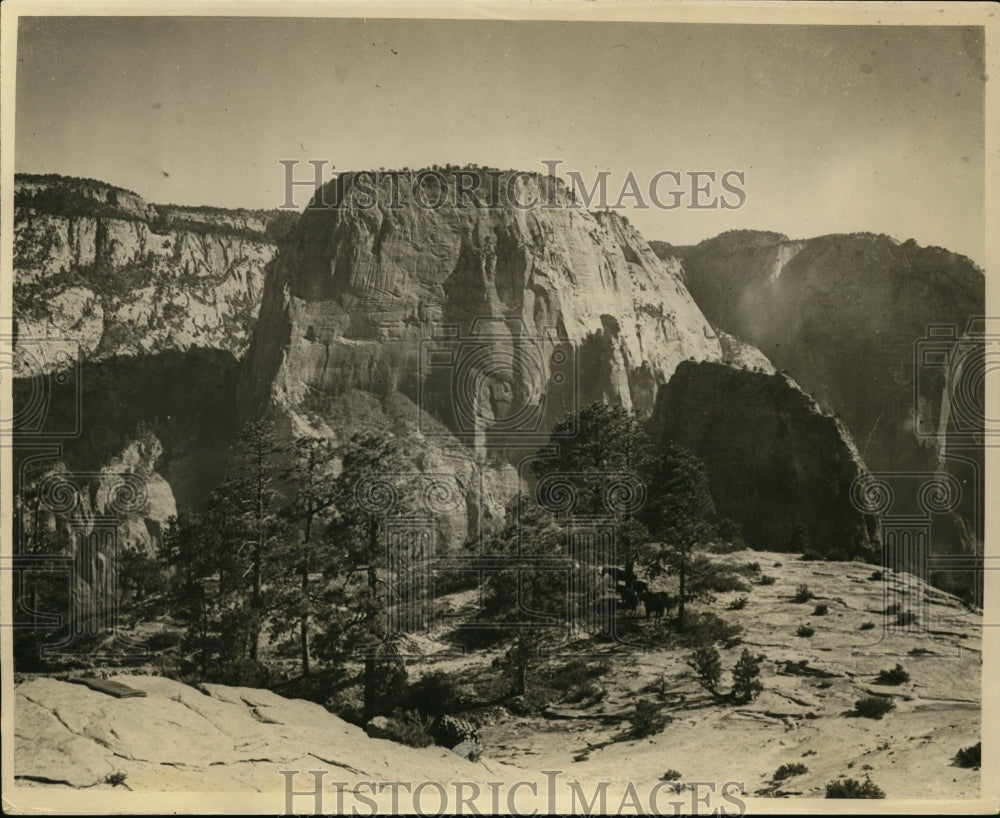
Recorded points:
(682, 581)
(255, 609)
(369, 712)
(304, 624)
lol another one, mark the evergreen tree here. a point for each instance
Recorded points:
(608, 440)
(312, 483)
(376, 482)
(527, 603)
(678, 514)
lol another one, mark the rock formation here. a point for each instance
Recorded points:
(489, 323)
(852, 318)
(774, 459)
(112, 275)
(130, 320)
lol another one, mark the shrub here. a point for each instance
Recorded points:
(671, 775)
(892, 609)
(646, 719)
(707, 663)
(706, 629)
(739, 603)
(906, 618)
(805, 631)
(867, 626)
(876, 576)
(849, 788)
(434, 694)
(722, 579)
(969, 757)
(873, 707)
(896, 676)
(803, 594)
(749, 568)
(746, 676)
(788, 770)
(766, 579)
(116, 779)
(411, 728)
(821, 610)
(243, 673)
(162, 640)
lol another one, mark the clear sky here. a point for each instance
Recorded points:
(838, 129)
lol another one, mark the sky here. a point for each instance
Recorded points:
(837, 129)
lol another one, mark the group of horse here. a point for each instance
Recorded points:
(655, 603)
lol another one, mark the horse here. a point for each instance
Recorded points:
(616, 574)
(630, 599)
(657, 603)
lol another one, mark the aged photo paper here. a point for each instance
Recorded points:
(499, 408)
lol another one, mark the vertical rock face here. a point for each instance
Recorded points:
(488, 323)
(775, 460)
(130, 321)
(112, 275)
(358, 291)
(850, 317)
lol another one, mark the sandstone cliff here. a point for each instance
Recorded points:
(843, 314)
(489, 324)
(774, 459)
(130, 320)
(111, 275)
(849, 317)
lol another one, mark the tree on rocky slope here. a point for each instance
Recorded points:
(524, 601)
(376, 485)
(679, 513)
(592, 448)
(311, 480)
(225, 561)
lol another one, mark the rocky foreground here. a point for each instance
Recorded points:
(212, 738)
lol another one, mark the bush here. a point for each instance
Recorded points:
(746, 676)
(906, 618)
(867, 626)
(707, 663)
(749, 569)
(116, 779)
(434, 694)
(803, 594)
(892, 609)
(873, 707)
(788, 770)
(243, 673)
(671, 775)
(706, 629)
(162, 640)
(739, 603)
(805, 631)
(646, 719)
(969, 757)
(896, 676)
(876, 576)
(821, 610)
(766, 579)
(411, 728)
(849, 788)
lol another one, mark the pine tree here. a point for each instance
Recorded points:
(377, 481)
(679, 515)
(311, 482)
(592, 445)
(522, 587)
